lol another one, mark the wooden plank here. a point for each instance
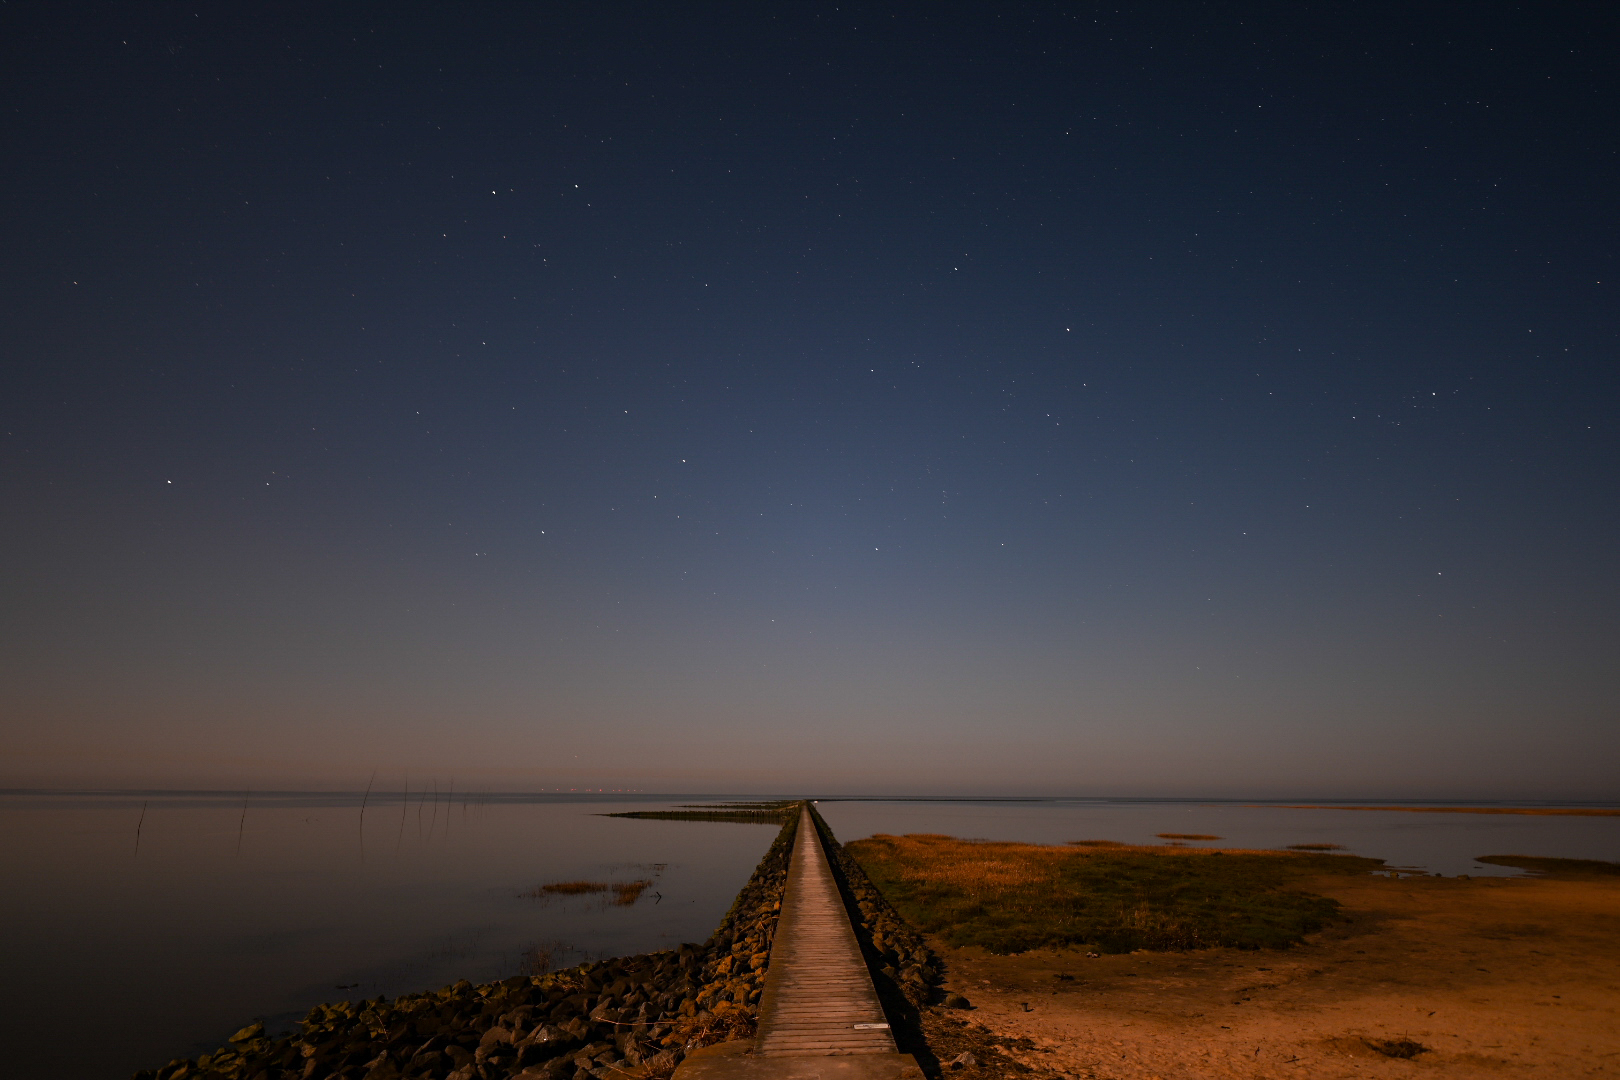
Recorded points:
(819, 1016)
(817, 988)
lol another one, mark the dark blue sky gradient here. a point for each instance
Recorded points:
(827, 398)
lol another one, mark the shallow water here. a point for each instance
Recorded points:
(1436, 843)
(119, 957)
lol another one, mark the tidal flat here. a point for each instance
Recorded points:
(192, 913)
(635, 1016)
(1454, 976)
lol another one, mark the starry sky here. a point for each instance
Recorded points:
(1163, 399)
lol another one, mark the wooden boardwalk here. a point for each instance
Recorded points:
(819, 1015)
(818, 994)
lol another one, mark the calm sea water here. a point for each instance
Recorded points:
(120, 955)
(118, 958)
(1436, 843)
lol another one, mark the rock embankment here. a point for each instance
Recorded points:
(636, 1015)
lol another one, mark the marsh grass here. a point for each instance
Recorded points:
(624, 893)
(1188, 836)
(573, 888)
(745, 817)
(1008, 898)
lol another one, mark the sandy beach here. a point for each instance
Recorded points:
(1475, 978)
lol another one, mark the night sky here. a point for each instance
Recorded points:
(818, 398)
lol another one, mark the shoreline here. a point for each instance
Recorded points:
(1480, 978)
(1505, 972)
(627, 1016)
(1534, 811)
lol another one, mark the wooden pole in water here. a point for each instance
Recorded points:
(363, 800)
(404, 804)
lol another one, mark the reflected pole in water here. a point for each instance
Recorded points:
(138, 824)
(363, 800)
(241, 825)
(404, 804)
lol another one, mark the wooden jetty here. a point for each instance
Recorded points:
(819, 1015)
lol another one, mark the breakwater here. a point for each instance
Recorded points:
(634, 1015)
(789, 813)
(642, 1013)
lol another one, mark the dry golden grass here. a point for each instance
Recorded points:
(1009, 897)
(624, 893)
(574, 888)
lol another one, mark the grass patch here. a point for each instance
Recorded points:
(745, 817)
(624, 893)
(1585, 868)
(1188, 836)
(574, 888)
(1008, 898)
(746, 813)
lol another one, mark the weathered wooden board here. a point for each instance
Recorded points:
(819, 1015)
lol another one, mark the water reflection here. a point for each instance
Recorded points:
(172, 919)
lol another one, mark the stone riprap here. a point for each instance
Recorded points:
(635, 1016)
(902, 963)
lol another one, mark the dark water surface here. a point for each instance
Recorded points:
(118, 958)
